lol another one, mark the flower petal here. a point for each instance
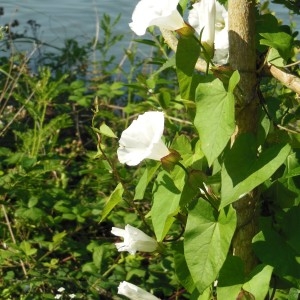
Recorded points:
(134, 240)
(156, 12)
(202, 17)
(158, 151)
(134, 292)
(142, 139)
(118, 232)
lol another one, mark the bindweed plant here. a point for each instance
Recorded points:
(222, 189)
(174, 178)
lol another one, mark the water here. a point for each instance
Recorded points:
(61, 19)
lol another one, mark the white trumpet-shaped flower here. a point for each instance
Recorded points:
(202, 17)
(134, 240)
(134, 292)
(142, 139)
(162, 13)
(210, 17)
(221, 35)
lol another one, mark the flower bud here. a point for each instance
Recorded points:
(171, 160)
(186, 31)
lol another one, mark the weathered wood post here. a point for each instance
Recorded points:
(241, 14)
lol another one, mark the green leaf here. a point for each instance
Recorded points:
(182, 145)
(146, 42)
(89, 268)
(53, 264)
(170, 63)
(32, 213)
(215, 116)
(166, 197)
(183, 4)
(105, 130)
(258, 284)
(68, 216)
(293, 173)
(182, 272)
(98, 255)
(242, 171)
(289, 224)
(147, 176)
(285, 259)
(62, 206)
(58, 237)
(187, 53)
(231, 278)
(26, 248)
(32, 201)
(206, 241)
(113, 200)
(294, 294)
(281, 41)
(274, 58)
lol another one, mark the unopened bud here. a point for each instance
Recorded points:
(170, 161)
(186, 31)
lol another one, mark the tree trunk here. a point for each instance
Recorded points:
(241, 14)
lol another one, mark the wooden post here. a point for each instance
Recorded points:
(241, 15)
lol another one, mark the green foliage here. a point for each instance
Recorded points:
(113, 200)
(62, 188)
(212, 99)
(185, 65)
(207, 230)
(167, 187)
(237, 182)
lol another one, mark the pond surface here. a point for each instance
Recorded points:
(61, 19)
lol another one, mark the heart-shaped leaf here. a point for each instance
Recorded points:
(242, 170)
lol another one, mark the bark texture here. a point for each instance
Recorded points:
(241, 15)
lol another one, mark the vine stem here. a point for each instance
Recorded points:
(119, 179)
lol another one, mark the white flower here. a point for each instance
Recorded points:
(61, 289)
(202, 17)
(162, 13)
(221, 35)
(134, 240)
(142, 139)
(212, 17)
(72, 296)
(57, 296)
(133, 292)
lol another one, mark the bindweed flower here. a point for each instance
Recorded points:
(162, 13)
(210, 17)
(142, 139)
(133, 292)
(221, 35)
(134, 240)
(202, 17)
